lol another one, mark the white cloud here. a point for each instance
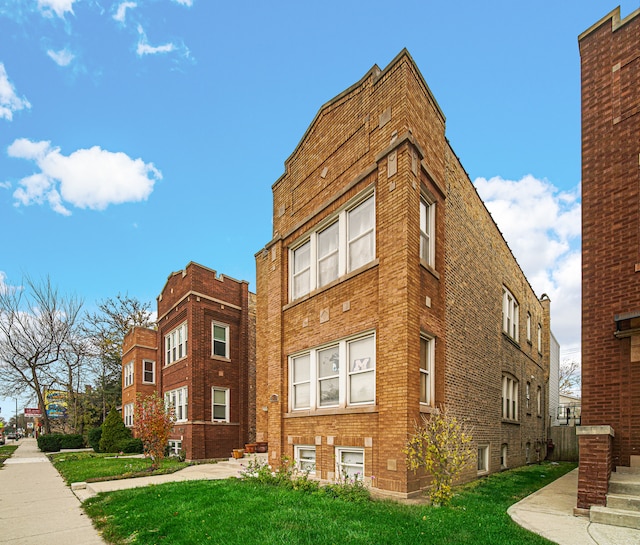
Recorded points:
(145, 49)
(58, 7)
(187, 3)
(9, 101)
(542, 226)
(88, 178)
(121, 12)
(62, 57)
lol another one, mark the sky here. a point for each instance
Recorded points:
(138, 136)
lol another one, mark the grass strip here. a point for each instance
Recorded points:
(233, 512)
(6, 451)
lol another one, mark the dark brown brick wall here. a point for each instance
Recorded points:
(346, 150)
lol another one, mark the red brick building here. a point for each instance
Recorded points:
(201, 358)
(610, 436)
(386, 292)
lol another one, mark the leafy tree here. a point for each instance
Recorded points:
(442, 447)
(105, 329)
(36, 324)
(113, 432)
(570, 377)
(152, 423)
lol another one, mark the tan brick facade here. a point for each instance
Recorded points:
(610, 66)
(196, 299)
(384, 139)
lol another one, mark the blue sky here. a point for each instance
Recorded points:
(138, 136)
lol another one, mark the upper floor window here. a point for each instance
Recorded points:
(127, 411)
(176, 344)
(539, 400)
(427, 231)
(340, 246)
(177, 400)
(148, 371)
(528, 327)
(220, 336)
(336, 375)
(540, 338)
(510, 314)
(220, 404)
(427, 349)
(128, 374)
(509, 398)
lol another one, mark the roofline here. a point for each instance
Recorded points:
(616, 22)
(217, 276)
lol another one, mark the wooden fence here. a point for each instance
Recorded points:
(565, 443)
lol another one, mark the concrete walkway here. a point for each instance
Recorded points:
(36, 506)
(549, 513)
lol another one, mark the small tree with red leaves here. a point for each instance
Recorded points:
(152, 424)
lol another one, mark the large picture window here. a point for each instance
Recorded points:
(176, 344)
(336, 375)
(341, 245)
(178, 401)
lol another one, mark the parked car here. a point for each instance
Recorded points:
(11, 436)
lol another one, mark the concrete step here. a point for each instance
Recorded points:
(624, 484)
(635, 461)
(625, 470)
(627, 503)
(614, 517)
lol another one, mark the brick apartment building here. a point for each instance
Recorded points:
(610, 435)
(201, 359)
(388, 291)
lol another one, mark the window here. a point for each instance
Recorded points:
(503, 456)
(528, 397)
(177, 400)
(426, 370)
(336, 375)
(539, 400)
(527, 453)
(340, 246)
(483, 459)
(176, 344)
(219, 404)
(148, 371)
(510, 314)
(427, 232)
(509, 398)
(175, 446)
(220, 335)
(350, 463)
(128, 374)
(305, 458)
(127, 410)
(539, 338)
(528, 327)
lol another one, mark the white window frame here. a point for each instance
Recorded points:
(127, 412)
(483, 459)
(175, 446)
(427, 231)
(510, 314)
(427, 370)
(305, 458)
(510, 398)
(347, 373)
(225, 328)
(178, 399)
(226, 404)
(128, 374)
(176, 344)
(352, 470)
(304, 254)
(145, 372)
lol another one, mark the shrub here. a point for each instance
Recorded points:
(113, 432)
(131, 446)
(93, 438)
(350, 489)
(49, 442)
(153, 424)
(72, 440)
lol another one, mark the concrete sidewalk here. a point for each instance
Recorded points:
(549, 513)
(36, 506)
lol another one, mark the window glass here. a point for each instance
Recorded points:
(306, 459)
(301, 270)
(301, 382)
(350, 463)
(219, 404)
(328, 373)
(361, 234)
(362, 370)
(328, 255)
(220, 340)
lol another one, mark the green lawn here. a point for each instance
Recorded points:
(239, 512)
(89, 466)
(5, 452)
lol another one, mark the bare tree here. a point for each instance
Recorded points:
(106, 329)
(569, 378)
(36, 323)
